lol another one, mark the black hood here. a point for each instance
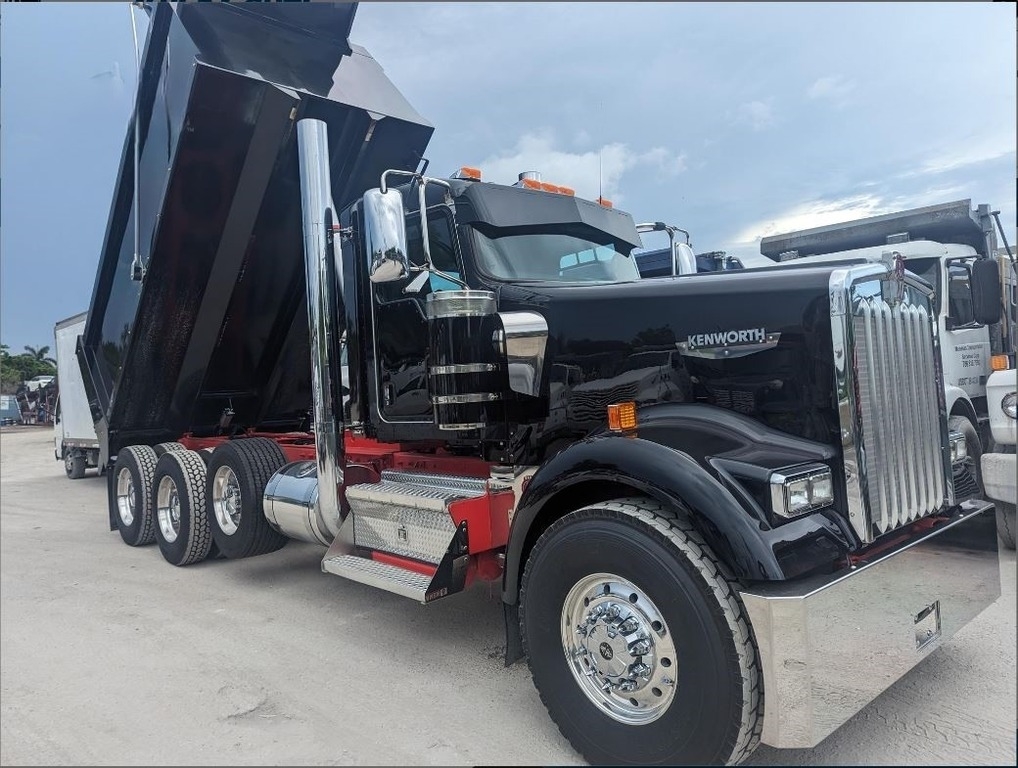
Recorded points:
(756, 343)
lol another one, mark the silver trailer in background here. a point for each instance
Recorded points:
(74, 437)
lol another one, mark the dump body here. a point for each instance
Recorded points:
(218, 325)
(953, 222)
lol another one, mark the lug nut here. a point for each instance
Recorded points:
(639, 647)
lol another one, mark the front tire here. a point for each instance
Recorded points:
(132, 488)
(182, 523)
(637, 641)
(238, 472)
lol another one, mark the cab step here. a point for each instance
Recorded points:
(407, 514)
(391, 578)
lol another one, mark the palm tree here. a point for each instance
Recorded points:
(40, 354)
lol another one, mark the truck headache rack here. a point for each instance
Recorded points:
(220, 320)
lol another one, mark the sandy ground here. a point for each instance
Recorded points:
(109, 655)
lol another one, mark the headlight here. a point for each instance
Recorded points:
(959, 449)
(1009, 405)
(801, 489)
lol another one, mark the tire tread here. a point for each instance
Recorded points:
(259, 459)
(678, 533)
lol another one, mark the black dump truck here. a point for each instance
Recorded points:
(719, 506)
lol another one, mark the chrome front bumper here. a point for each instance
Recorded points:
(830, 645)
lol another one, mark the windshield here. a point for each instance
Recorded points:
(553, 257)
(928, 270)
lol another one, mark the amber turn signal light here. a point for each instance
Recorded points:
(998, 363)
(622, 417)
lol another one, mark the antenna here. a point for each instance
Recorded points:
(600, 152)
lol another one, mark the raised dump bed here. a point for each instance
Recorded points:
(218, 324)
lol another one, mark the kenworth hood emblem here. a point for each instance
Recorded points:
(724, 344)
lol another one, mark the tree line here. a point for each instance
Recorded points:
(15, 369)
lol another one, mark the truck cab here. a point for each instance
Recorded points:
(488, 237)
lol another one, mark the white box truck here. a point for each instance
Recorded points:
(75, 440)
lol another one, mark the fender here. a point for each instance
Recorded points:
(730, 522)
(726, 441)
(958, 403)
(649, 469)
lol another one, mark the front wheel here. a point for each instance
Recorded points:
(637, 641)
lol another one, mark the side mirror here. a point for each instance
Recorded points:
(385, 235)
(985, 291)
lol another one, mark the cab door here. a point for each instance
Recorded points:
(401, 328)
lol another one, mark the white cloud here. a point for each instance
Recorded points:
(835, 89)
(963, 154)
(757, 114)
(815, 213)
(587, 172)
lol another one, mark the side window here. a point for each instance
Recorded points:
(959, 294)
(443, 256)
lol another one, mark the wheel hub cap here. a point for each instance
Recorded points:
(168, 509)
(226, 502)
(618, 648)
(125, 496)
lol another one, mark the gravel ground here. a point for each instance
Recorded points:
(109, 655)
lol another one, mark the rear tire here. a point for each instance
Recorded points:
(684, 679)
(968, 480)
(162, 448)
(182, 524)
(1006, 523)
(74, 465)
(132, 488)
(237, 475)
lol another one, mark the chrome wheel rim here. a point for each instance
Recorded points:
(168, 509)
(226, 500)
(125, 496)
(618, 648)
(69, 463)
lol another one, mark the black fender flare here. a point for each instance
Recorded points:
(660, 472)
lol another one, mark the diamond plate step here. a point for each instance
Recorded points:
(463, 487)
(399, 581)
(407, 514)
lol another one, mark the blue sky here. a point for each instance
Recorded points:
(731, 120)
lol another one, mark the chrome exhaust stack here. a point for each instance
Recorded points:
(300, 503)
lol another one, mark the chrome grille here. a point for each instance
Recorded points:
(899, 445)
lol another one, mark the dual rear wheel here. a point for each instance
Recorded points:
(197, 504)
